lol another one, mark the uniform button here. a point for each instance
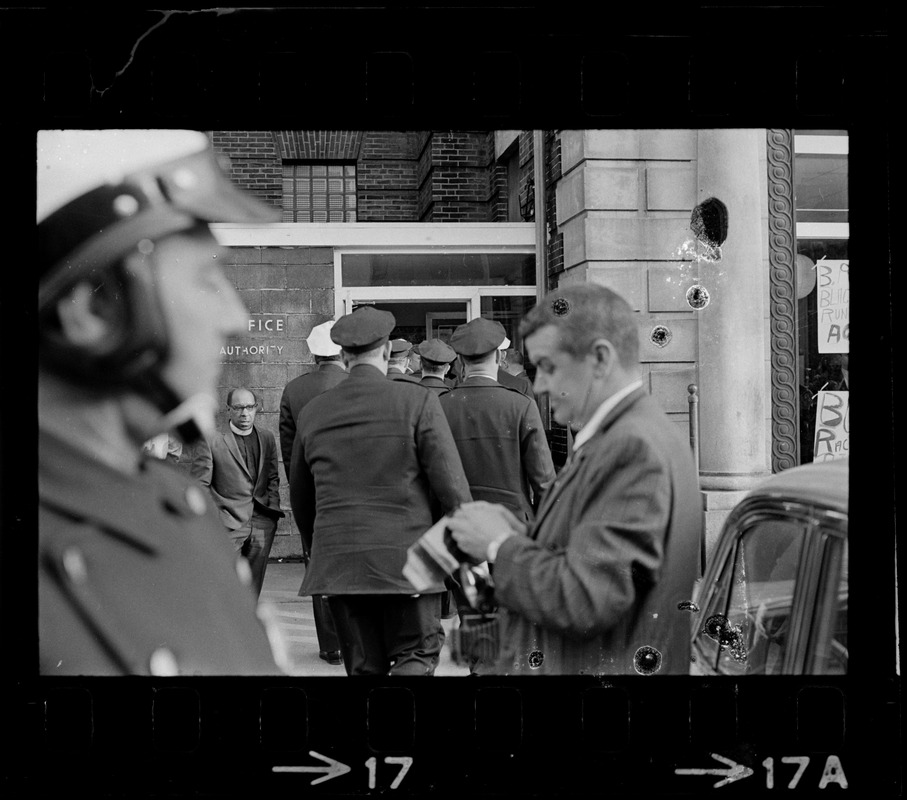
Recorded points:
(185, 178)
(125, 205)
(244, 571)
(162, 663)
(196, 500)
(74, 564)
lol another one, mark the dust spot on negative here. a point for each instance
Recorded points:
(647, 660)
(687, 605)
(560, 306)
(698, 297)
(536, 657)
(661, 335)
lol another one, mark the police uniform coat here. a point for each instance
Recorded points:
(370, 453)
(437, 385)
(520, 383)
(612, 552)
(296, 394)
(501, 441)
(135, 576)
(219, 465)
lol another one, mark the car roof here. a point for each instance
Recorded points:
(824, 483)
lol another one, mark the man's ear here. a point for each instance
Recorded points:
(79, 318)
(388, 349)
(605, 357)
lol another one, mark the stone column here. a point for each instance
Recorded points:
(732, 367)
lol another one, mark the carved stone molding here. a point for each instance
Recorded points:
(783, 301)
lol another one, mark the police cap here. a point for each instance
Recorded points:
(436, 351)
(477, 337)
(364, 329)
(319, 340)
(101, 192)
(400, 347)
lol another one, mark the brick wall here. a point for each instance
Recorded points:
(455, 173)
(255, 163)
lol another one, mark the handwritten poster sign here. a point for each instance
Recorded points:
(832, 426)
(833, 282)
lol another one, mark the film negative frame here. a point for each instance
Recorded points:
(444, 67)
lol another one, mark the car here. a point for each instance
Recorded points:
(773, 599)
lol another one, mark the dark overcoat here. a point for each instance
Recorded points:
(501, 441)
(295, 395)
(367, 458)
(612, 552)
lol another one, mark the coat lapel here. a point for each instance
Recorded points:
(571, 469)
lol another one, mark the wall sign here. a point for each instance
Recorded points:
(832, 426)
(834, 306)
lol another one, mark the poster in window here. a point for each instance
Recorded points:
(833, 306)
(832, 426)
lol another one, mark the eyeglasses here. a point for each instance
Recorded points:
(245, 408)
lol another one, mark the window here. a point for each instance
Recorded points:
(823, 282)
(757, 600)
(319, 192)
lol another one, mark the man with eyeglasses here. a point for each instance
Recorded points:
(238, 464)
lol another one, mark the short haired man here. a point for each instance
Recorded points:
(329, 371)
(238, 464)
(399, 361)
(514, 364)
(134, 574)
(436, 357)
(369, 457)
(594, 584)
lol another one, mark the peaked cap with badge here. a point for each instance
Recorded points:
(436, 351)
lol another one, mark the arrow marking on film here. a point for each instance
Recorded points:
(735, 773)
(333, 769)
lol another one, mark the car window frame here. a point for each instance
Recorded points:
(805, 603)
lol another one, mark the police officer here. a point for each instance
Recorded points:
(369, 457)
(135, 575)
(519, 381)
(436, 356)
(296, 395)
(498, 429)
(399, 361)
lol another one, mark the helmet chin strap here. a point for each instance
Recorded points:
(192, 418)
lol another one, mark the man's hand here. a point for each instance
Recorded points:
(476, 525)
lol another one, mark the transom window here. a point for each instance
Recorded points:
(319, 192)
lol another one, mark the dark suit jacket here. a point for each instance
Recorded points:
(614, 548)
(219, 465)
(437, 385)
(161, 575)
(501, 441)
(296, 394)
(367, 458)
(521, 384)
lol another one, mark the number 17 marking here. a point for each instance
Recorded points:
(405, 763)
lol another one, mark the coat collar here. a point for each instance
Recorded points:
(367, 372)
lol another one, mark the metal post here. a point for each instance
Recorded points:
(693, 399)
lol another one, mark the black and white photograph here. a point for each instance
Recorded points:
(449, 401)
(504, 402)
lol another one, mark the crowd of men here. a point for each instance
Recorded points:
(146, 570)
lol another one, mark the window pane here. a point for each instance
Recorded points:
(350, 185)
(335, 185)
(335, 170)
(439, 269)
(762, 592)
(319, 185)
(319, 170)
(509, 311)
(349, 169)
(821, 186)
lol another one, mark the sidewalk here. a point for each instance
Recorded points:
(297, 623)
